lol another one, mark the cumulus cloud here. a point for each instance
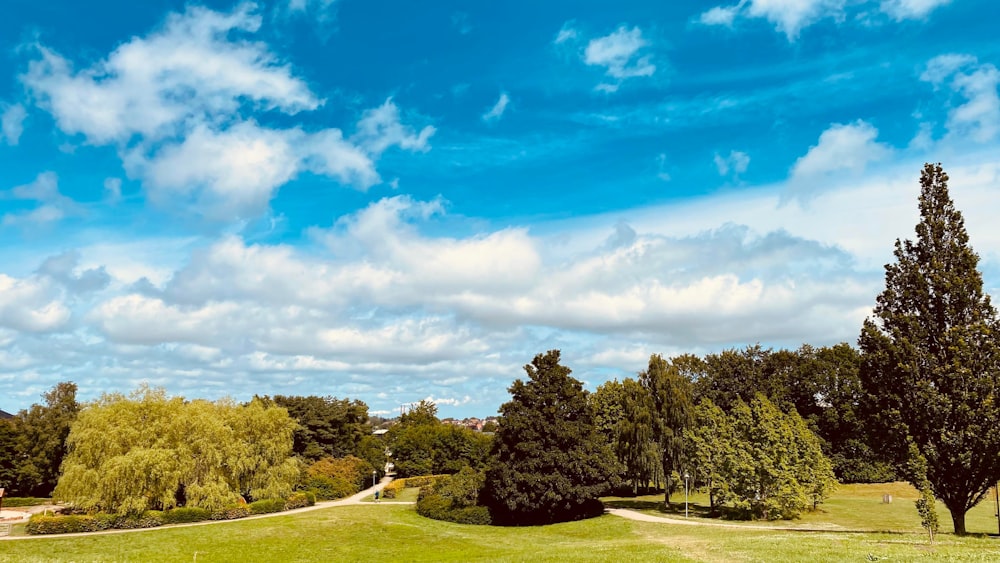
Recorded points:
(496, 112)
(175, 101)
(842, 148)
(617, 53)
(151, 86)
(979, 117)
(380, 128)
(31, 305)
(12, 123)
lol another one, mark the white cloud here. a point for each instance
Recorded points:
(496, 112)
(720, 15)
(737, 163)
(135, 90)
(233, 173)
(979, 117)
(51, 206)
(198, 149)
(841, 148)
(911, 9)
(31, 305)
(617, 53)
(379, 128)
(566, 33)
(788, 16)
(792, 16)
(12, 123)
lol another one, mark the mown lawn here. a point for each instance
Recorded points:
(851, 508)
(389, 532)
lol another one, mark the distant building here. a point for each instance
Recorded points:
(4, 415)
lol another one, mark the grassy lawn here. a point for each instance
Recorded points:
(851, 508)
(396, 533)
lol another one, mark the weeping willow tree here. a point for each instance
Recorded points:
(149, 451)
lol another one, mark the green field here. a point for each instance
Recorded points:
(388, 532)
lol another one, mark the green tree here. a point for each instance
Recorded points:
(931, 364)
(150, 451)
(41, 446)
(775, 467)
(709, 442)
(549, 462)
(328, 426)
(423, 445)
(672, 412)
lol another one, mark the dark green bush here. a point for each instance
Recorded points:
(437, 507)
(148, 519)
(267, 506)
(40, 524)
(298, 500)
(231, 513)
(185, 515)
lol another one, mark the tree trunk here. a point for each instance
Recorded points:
(958, 520)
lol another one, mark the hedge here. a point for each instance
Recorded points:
(185, 515)
(437, 507)
(267, 506)
(77, 523)
(73, 524)
(231, 513)
(300, 500)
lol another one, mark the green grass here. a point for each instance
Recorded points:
(851, 508)
(396, 533)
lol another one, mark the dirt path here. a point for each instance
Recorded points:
(359, 498)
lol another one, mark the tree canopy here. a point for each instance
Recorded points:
(931, 365)
(549, 463)
(150, 451)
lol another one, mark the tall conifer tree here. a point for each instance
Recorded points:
(931, 365)
(549, 462)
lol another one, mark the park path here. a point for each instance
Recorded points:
(359, 498)
(643, 517)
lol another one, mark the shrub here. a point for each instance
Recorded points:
(267, 506)
(438, 507)
(230, 513)
(185, 515)
(454, 498)
(148, 519)
(330, 488)
(338, 477)
(40, 524)
(393, 488)
(298, 500)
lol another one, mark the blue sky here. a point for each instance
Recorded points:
(398, 201)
